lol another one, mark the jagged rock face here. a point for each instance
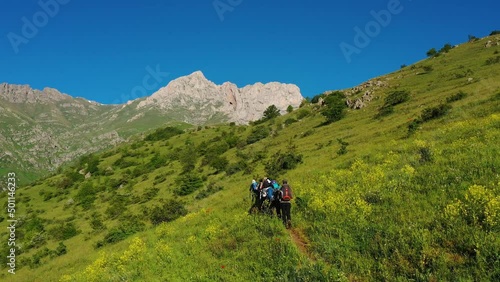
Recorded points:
(24, 94)
(241, 105)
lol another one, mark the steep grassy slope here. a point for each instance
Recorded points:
(414, 195)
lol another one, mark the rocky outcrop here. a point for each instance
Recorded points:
(25, 94)
(241, 105)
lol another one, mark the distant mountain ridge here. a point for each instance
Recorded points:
(41, 129)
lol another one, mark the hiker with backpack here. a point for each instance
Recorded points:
(254, 191)
(275, 199)
(264, 185)
(285, 203)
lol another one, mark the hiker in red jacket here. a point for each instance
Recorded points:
(285, 203)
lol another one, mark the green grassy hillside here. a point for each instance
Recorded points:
(406, 194)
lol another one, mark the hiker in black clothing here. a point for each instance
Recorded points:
(276, 202)
(264, 184)
(286, 205)
(254, 190)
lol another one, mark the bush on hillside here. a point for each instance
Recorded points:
(219, 163)
(394, 98)
(169, 211)
(188, 156)
(302, 113)
(129, 224)
(472, 38)
(280, 162)
(335, 107)
(289, 121)
(210, 190)
(432, 52)
(495, 32)
(270, 113)
(493, 60)
(456, 97)
(188, 183)
(86, 195)
(428, 114)
(427, 68)
(434, 112)
(63, 231)
(258, 133)
(446, 48)
(163, 133)
(316, 98)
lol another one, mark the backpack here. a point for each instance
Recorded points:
(287, 193)
(270, 193)
(275, 184)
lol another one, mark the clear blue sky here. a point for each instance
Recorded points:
(100, 49)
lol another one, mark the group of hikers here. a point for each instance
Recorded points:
(269, 197)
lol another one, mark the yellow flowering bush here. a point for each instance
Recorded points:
(480, 207)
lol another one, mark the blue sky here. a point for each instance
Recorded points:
(107, 50)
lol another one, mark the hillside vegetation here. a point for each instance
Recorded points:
(405, 189)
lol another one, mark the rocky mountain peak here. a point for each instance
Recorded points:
(240, 105)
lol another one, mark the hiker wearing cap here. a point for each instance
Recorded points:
(285, 203)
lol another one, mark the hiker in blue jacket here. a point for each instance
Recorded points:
(254, 190)
(285, 203)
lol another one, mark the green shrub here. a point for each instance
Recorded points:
(188, 183)
(343, 147)
(159, 179)
(456, 97)
(64, 231)
(270, 113)
(281, 162)
(60, 250)
(169, 211)
(96, 222)
(495, 32)
(86, 195)
(427, 68)
(219, 163)
(123, 163)
(149, 194)
(385, 111)
(302, 113)
(210, 190)
(432, 52)
(157, 161)
(289, 109)
(335, 106)
(129, 224)
(289, 121)
(446, 48)
(258, 133)
(434, 112)
(241, 165)
(494, 60)
(316, 98)
(396, 97)
(163, 134)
